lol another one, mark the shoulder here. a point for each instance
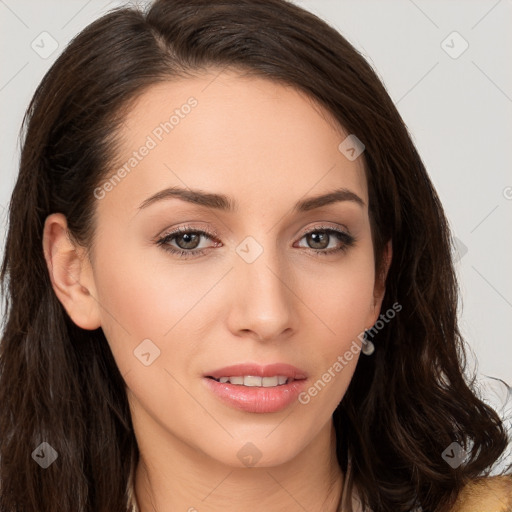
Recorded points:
(492, 494)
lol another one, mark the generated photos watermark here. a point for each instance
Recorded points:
(343, 360)
(152, 140)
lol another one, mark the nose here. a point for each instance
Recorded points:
(263, 302)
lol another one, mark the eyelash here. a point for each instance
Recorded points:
(348, 241)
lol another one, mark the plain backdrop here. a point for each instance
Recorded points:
(447, 67)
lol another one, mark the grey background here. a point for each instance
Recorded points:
(458, 111)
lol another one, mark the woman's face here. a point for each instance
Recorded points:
(252, 299)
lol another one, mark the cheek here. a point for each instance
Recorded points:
(341, 295)
(341, 298)
(344, 309)
(141, 299)
(345, 297)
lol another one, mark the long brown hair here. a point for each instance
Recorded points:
(59, 383)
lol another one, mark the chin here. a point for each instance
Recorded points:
(262, 451)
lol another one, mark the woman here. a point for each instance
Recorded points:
(218, 207)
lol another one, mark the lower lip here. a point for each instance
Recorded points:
(257, 399)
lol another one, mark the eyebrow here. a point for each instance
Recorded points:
(224, 203)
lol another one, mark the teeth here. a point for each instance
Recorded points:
(254, 381)
(268, 382)
(251, 381)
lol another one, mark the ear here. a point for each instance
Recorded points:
(379, 289)
(70, 273)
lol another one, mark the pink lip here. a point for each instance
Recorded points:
(257, 399)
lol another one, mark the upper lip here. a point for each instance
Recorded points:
(257, 370)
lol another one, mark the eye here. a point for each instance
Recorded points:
(320, 240)
(187, 240)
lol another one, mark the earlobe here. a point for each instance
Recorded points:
(70, 273)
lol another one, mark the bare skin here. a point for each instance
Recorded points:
(266, 146)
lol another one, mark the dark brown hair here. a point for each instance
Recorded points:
(58, 383)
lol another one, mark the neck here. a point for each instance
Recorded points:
(181, 478)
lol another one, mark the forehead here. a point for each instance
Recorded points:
(260, 141)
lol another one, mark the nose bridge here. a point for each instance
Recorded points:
(263, 300)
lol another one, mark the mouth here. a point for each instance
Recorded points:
(255, 381)
(255, 388)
